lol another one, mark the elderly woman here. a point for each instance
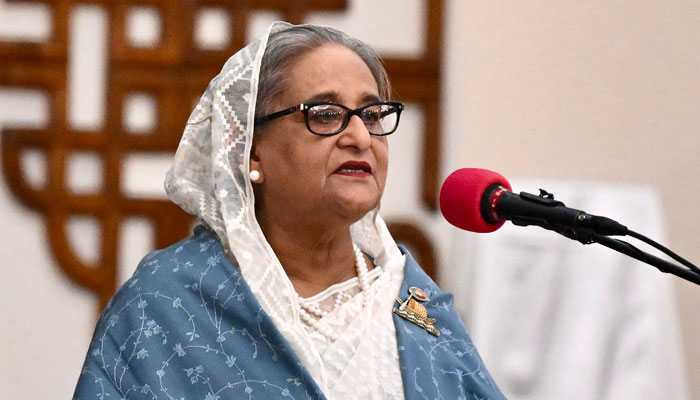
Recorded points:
(292, 286)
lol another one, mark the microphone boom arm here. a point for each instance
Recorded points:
(661, 264)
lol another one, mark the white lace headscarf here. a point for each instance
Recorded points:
(210, 180)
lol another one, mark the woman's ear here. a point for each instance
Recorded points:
(255, 166)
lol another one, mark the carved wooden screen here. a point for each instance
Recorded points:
(172, 66)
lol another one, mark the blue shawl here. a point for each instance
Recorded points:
(187, 326)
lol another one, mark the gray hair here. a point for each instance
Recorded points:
(284, 46)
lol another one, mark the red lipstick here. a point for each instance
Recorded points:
(354, 168)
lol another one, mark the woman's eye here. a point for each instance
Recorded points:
(326, 115)
(371, 115)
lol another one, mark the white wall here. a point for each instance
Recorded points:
(605, 91)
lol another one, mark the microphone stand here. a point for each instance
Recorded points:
(662, 265)
(587, 236)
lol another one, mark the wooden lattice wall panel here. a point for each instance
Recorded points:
(173, 71)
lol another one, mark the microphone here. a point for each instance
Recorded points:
(479, 200)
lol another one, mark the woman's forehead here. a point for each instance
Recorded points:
(331, 73)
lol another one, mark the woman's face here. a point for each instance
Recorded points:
(311, 176)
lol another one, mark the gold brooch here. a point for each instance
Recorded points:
(412, 310)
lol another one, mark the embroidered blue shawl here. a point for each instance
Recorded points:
(186, 326)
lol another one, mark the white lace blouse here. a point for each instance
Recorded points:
(363, 362)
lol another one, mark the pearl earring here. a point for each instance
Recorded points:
(255, 175)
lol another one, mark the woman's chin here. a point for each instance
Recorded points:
(356, 207)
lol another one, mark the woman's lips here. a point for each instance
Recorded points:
(354, 168)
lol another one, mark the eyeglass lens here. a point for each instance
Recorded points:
(328, 118)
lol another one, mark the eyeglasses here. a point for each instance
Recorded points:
(327, 119)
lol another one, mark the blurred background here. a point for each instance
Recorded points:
(596, 102)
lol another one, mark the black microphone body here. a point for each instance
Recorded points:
(525, 209)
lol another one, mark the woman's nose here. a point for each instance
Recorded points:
(355, 134)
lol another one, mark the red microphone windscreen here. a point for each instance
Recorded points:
(460, 198)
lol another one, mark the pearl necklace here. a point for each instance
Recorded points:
(311, 314)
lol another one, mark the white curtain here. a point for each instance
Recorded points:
(555, 319)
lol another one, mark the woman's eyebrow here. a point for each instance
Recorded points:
(325, 96)
(334, 96)
(370, 98)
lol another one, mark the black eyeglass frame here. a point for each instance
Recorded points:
(305, 107)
